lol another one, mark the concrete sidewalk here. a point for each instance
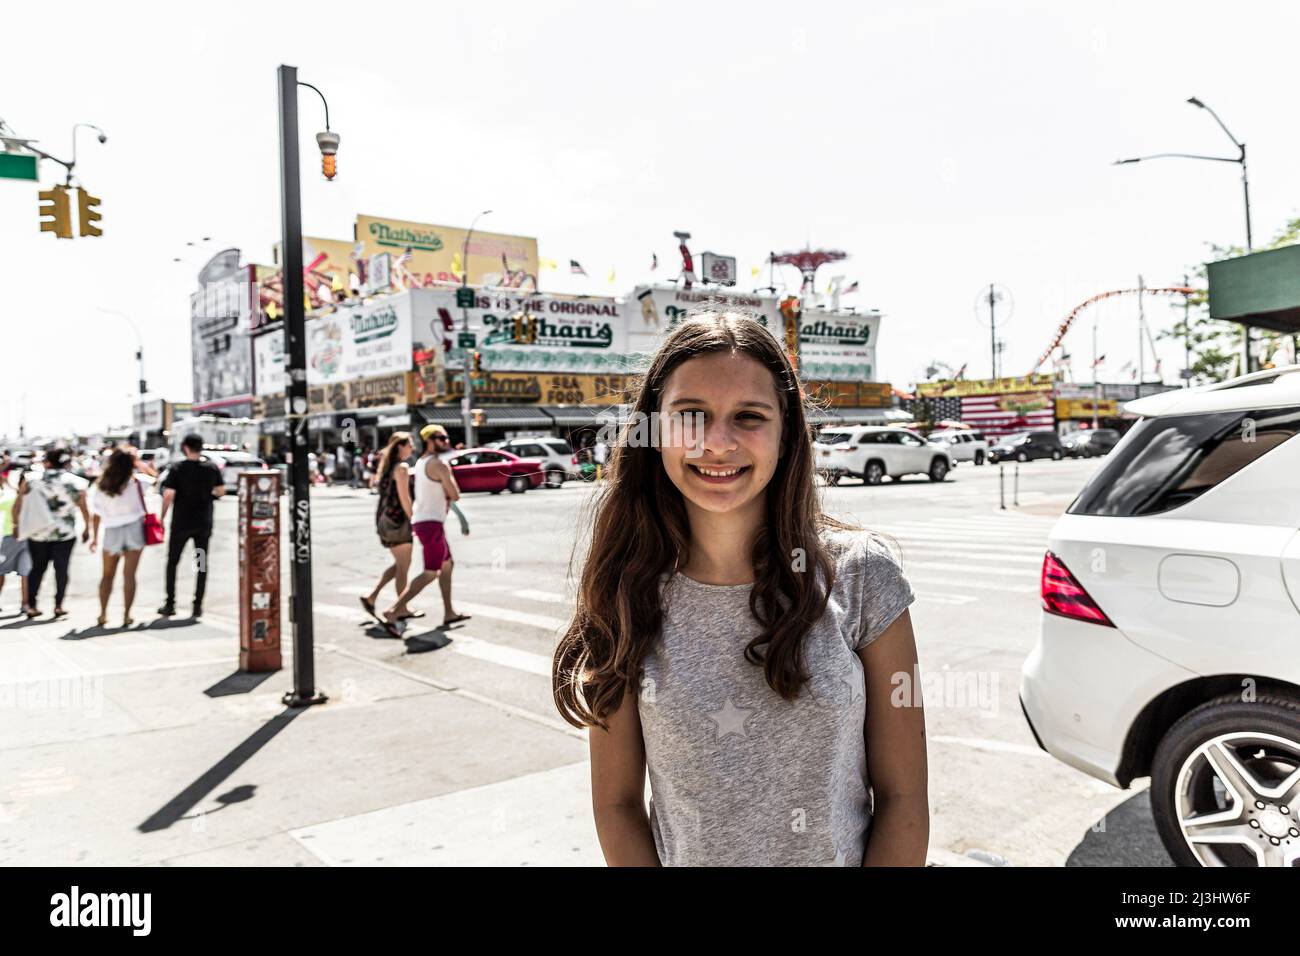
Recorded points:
(147, 746)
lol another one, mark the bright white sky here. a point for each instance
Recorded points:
(943, 145)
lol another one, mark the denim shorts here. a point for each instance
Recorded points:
(127, 537)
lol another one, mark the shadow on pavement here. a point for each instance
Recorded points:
(166, 623)
(428, 641)
(1124, 837)
(181, 804)
(27, 622)
(240, 682)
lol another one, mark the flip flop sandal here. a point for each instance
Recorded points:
(411, 615)
(370, 609)
(457, 619)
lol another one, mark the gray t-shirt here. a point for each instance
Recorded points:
(739, 776)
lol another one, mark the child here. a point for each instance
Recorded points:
(733, 639)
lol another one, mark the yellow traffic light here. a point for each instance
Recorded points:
(55, 214)
(89, 213)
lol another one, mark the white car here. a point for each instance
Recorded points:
(962, 445)
(871, 452)
(231, 464)
(556, 455)
(1170, 637)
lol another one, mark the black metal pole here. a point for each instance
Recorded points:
(295, 321)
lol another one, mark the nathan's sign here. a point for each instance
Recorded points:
(1040, 382)
(381, 392)
(360, 342)
(850, 394)
(569, 333)
(426, 255)
(510, 388)
(1084, 407)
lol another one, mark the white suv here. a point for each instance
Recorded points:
(962, 445)
(872, 452)
(1170, 640)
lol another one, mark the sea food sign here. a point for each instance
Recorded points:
(360, 342)
(572, 334)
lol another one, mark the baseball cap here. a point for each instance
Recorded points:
(431, 431)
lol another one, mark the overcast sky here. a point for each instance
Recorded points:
(943, 145)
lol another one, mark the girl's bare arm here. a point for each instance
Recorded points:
(896, 758)
(618, 789)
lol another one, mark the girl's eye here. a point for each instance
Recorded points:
(751, 417)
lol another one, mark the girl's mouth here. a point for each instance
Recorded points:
(718, 475)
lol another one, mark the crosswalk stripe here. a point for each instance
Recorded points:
(514, 617)
(937, 598)
(968, 569)
(501, 654)
(966, 583)
(927, 554)
(934, 544)
(549, 597)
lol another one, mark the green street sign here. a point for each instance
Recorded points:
(464, 298)
(466, 340)
(17, 166)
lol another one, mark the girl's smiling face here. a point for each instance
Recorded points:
(726, 461)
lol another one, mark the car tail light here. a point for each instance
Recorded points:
(1065, 596)
(574, 459)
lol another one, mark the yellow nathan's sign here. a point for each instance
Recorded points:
(1041, 382)
(1083, 407)
(425, 255)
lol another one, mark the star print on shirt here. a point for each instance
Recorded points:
(855, 689)
(731, 720)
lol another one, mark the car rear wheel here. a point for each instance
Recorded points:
(518, 484)
(873, 474)
(554, 478)
(979, 457)
(938, 470)
(1021, 456)
(1056, 454)
(1225, 784)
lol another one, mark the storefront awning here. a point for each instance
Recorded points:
(494, 416)
(822, 416)
(575, 416)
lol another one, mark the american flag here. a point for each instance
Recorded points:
(576, 268)
(997, 415)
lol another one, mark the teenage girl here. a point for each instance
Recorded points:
(736, 642)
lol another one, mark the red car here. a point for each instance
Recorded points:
(489, 469)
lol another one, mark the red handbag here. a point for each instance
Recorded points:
(153, 528)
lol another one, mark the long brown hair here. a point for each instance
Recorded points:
(117, 473)
(388, 460)
(640, 532)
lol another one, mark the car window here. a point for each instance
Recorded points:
(833, 438)
(461, 460)
(560, 447)
(484, 457)
(906, 439)
(1167, 462)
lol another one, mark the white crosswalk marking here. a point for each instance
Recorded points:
(501, 654)
(549, 597)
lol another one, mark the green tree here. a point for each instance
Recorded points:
(1215, 344)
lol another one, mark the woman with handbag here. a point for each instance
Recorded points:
(118, 506)
(393, 517)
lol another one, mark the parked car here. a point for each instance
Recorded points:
(1090, 442)
(1027, 446)
(556, 455)
(231, 464)
(495, 470)
(962, 445)
(1171, 611)
(871, 452)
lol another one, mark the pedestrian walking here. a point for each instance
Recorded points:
(117, 503)
(14, 555)
(735, 641)
(600, 455)
(329, 463)
(435, 488)
(48, 518)
(358, 469)
(188, 491)
(393, 517)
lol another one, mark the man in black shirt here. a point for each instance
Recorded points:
(188, 490)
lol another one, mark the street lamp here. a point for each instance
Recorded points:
(1240, 159)
(139, 346)
(304, 690)
(467, 408)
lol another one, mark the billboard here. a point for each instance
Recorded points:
(360, 341)
(220, 316)
(426, 255)
(573, 333)
(268, 363)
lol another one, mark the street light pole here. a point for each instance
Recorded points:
(304, 690)
(139, 348)
(467, 409)
(1240, 159)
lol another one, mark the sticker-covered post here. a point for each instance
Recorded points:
(259, 571)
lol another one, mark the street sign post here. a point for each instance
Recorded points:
(466, 340)
(464, 298)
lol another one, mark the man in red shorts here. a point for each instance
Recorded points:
(435, 491)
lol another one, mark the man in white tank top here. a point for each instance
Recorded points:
(435, 489)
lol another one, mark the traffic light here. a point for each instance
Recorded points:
(87, 208)
(530, 328)
(55, 214)
(477, 361)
